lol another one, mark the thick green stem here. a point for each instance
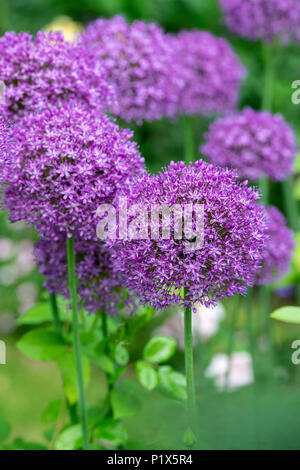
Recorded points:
(267, 52)
(189, 140)
(189, 371)
(55, 313)
(264, 187)
(76, 342)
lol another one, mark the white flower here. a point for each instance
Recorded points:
(240, 370)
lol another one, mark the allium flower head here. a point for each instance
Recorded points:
(211, 72)
(67, 161)
(262, 19)
(157, 269)
(278, 248)
(45, 68)
(5, 143)
(255, 143)
(99, 285)
(140, 62)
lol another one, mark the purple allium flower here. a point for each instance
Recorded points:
(5, 143)
(211, 72)
(99, 285)
(44, 68)
(278, 248)
(256, 143)
(234, 232)
(67, 161)
(139, 59)
(262, 19)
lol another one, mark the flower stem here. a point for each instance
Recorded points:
(189, 370)
(189, 140)
(230, 344)
(267, 52)
(76, 342)
(55, 313)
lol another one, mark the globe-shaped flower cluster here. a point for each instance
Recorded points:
(278, 248)
(210, 71)
(66, 162)
(255, 143)
(42, 69)
(262, 19)
(99, 285)
(157, 269)
(140, 62)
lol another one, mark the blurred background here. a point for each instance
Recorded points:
(263, 415)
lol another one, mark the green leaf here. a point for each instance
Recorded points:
(68, 369)
(38, 314)
(112, 431)
(172, 382)
(51, 413)
(287, 314)
(20, 444)
(121, 354)
(146, 375)
(42, 345)
(70, 438)
(4, 430)
(159, 349)
(124, 402)
(104, 362)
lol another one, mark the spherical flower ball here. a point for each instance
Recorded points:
(262, 19)
(99, 285)
(67, 161)
(157, 268)
(140, 62)
(44, 68)
(278, 248)
(211, 72)
(256, 143)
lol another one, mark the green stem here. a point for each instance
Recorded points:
(189, 140)
(55, 313)
(264, 187)
(189, 370)
(291, 203)
(230, 344)
(267, 52)
(76, 342)
(250, 328)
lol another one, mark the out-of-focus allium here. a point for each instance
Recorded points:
(278, 248)
(211, 72)
(262, 19)
(234, 224)
(235, 372)
(205, 324)
(140, 62)
(99, 285)
(256, 143)
(67, 161)
(44, 68)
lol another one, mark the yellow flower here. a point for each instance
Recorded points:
(65, 24)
